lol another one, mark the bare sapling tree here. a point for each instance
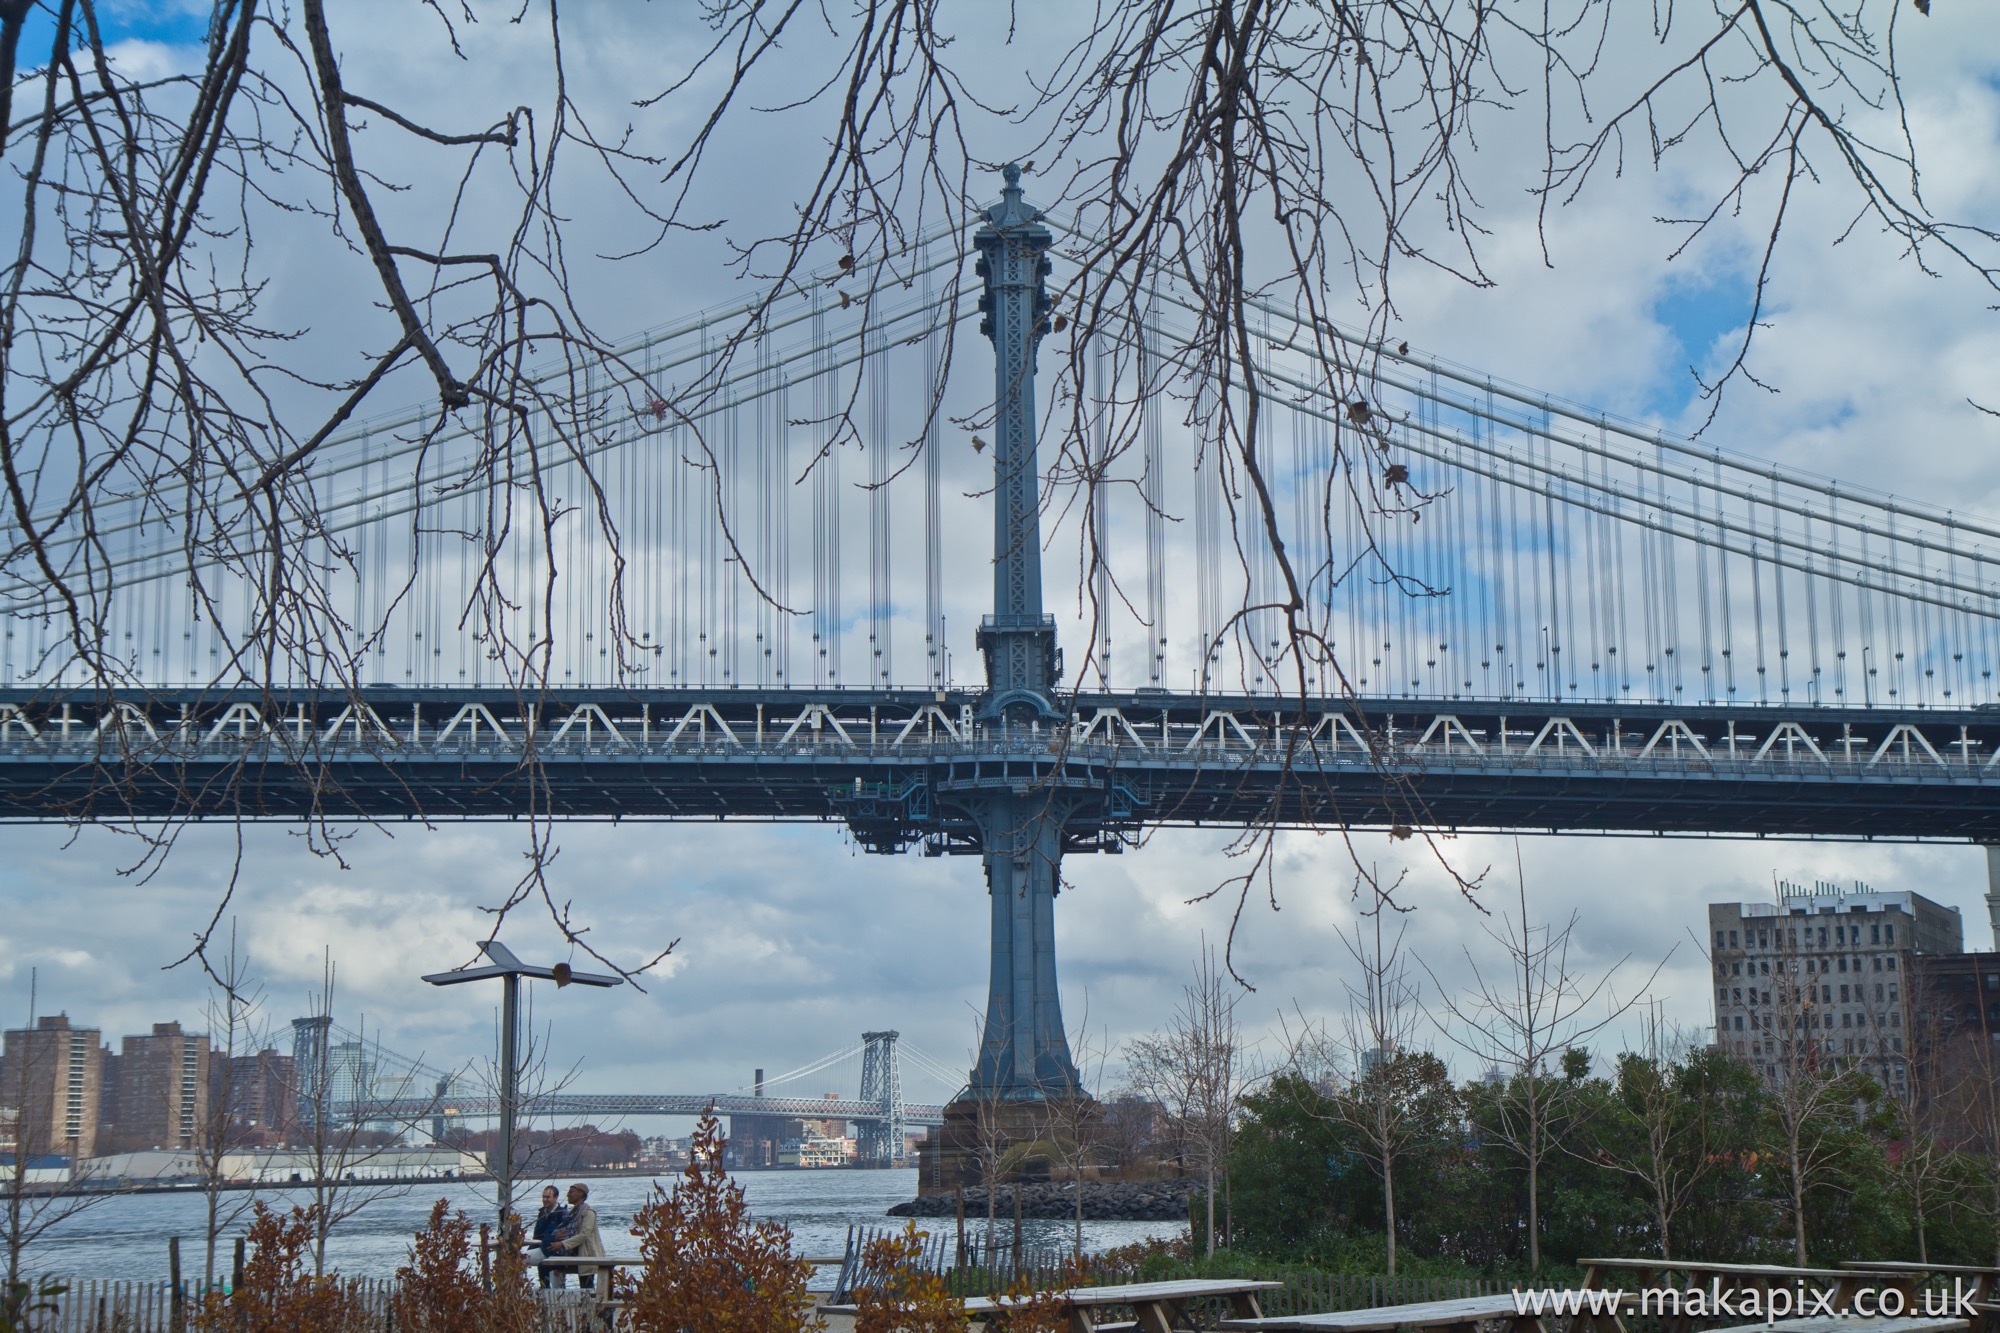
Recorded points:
(1076, 1118)
(1970, 1086)
(1391, 1094)
(44, 1095)
(1516, 1022)
(1922, 1093)
(539, 1085)
(993, 1136)
(1665, 1122)
(349, 1128)
(1197, 1067)
(1818, 1086)
(235, 1028)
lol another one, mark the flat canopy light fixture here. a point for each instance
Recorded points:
(504, 964)
(509, 970)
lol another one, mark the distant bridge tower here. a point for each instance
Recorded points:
(881, 1141)
(312, 1059)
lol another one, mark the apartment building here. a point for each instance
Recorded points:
(1824, 973)
(51, 1077)
(160, 1091)
(261, 1091)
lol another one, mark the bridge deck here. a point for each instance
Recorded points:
(585, 1105)
(892, 765)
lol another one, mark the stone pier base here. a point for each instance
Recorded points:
(1010, 1140)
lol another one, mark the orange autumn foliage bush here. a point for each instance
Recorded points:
(899, 1295)
(279, 1293)
(440, 1290)
(708, 1268)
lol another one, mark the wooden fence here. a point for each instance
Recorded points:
(92, 1306)
(977, 1270)
(980, 1270)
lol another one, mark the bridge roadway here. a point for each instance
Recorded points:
(900, 768)
(610, 1105)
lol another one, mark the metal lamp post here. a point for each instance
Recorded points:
(502, 963)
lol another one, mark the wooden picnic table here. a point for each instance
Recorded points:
(1735, 1279)
(1987, 1275)
(1983, 1291)
(1758, 1275)
(1452, 1316)
(1158, 1307)
(1853, 1324)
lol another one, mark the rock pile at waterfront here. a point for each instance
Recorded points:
(1103, 1201)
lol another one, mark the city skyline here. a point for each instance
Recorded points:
(1115, 933)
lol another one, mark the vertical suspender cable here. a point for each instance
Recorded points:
(933, 496)
(1206, 485)
(1670, 549)
(1834, 599)
(1558, 622)
(878, 512)
(781, 527)
(1722, 567)
(1515, 683)
(1757, 599)
(1866, 599)
(822, 632)
(1701, 551)
(1099, 508)
(1153, 433)
(1778, 583)
(1494, 605)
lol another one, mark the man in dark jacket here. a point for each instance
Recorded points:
(549, 1226)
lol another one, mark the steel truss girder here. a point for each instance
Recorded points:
(901, 768)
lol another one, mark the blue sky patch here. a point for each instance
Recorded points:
(174, 22)
(1698, 314)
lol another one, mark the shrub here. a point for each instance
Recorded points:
(900, 1295)
(708, 1268)
(440, 1290)
(278, 1294)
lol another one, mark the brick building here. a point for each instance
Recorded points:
(51, 1078)
(159, 1091)
(1825, 972)
(261, 1091)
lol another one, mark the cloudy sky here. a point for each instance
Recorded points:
(792, 943)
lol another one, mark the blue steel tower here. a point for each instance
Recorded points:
(1024, 1053)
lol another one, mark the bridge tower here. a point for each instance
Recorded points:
(312, 1064)
(1020, 812)
(881, 1141)
(1024, 1052)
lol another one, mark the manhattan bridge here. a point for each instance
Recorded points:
(1548, 618)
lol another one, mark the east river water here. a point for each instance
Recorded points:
(126, 1236)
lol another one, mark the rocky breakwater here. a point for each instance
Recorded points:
(1103, 1201)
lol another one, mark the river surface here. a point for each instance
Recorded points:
(126, 1236)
